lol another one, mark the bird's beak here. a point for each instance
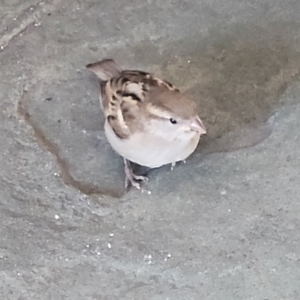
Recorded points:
(197, 126)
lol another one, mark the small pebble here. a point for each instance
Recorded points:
(57, 217)
(111, 234)
(109, 245)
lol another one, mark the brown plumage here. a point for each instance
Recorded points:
(148, 120)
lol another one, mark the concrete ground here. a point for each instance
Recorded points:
(224, 226)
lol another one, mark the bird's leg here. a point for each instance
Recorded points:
(173, 164)
(131, 178)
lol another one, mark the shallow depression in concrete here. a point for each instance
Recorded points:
(236, 77)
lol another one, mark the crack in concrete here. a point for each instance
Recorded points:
(30, 16)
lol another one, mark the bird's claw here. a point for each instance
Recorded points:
(132, 178)
(173, 164)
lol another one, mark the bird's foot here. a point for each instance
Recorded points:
(132, 178)
(173, 164)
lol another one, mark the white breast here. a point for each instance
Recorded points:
(153, 151)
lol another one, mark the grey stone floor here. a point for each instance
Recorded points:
(224, 226)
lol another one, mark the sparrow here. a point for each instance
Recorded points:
(148, 121)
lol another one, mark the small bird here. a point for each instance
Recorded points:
(148, 120)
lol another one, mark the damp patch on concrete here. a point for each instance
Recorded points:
(236, 77)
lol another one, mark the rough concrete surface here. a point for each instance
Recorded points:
(224, 226)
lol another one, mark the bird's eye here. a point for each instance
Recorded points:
(173, 121)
